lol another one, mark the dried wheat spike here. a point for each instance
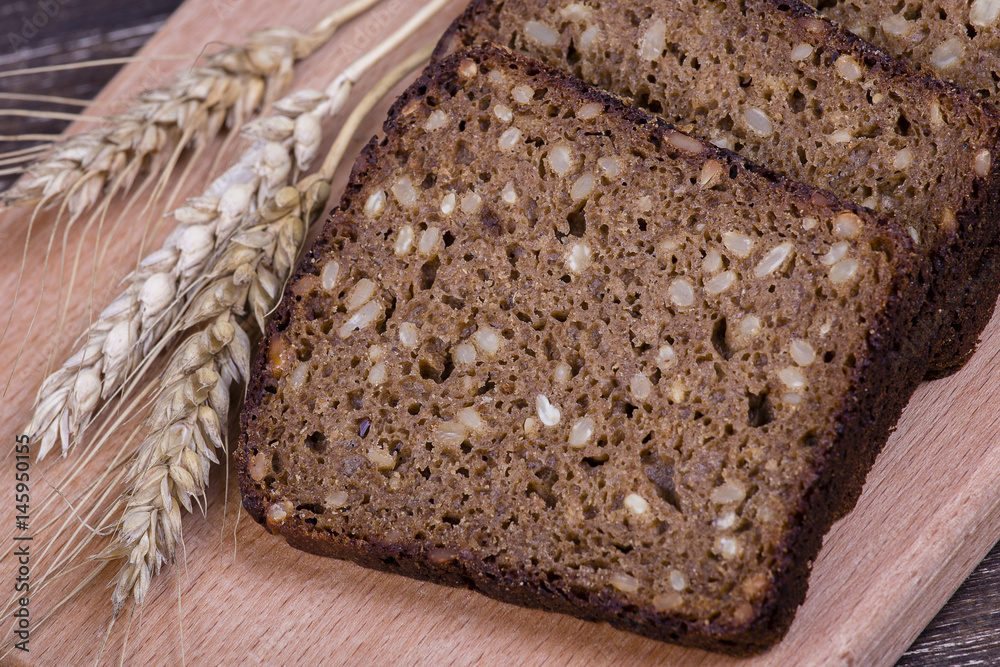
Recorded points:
(296, 121)
(188, 420)
(171, 468)
(191, 110)
(137, 321)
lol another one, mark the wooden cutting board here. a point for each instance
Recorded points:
(241, 596)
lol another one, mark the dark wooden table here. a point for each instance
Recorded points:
(965, 632)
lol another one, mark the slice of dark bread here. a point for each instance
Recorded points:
(793, 91)
(955, 40)
(556, 351)
(958, 41)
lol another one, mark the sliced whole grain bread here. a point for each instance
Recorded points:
(793, 91)
(551, 349)
(955, 40)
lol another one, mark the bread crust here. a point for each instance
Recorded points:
(965, 281)
(883, 381)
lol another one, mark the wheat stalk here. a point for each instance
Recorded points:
(188, 421)
(191, 109)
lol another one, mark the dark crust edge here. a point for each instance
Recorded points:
(968, 296)
(958, 341)
(883, 385)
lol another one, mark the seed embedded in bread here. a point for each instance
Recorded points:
(802, 352)
(448, 203)
(436, 121)
(581, 432)
(404, 240)
(549, 414)
(404, 192)
(773, 259)
(375, 204)
(329, 275)
(617, 427)
(636, 504)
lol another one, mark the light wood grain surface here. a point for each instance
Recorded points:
(928, 515)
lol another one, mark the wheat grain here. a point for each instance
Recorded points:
(191, 109)
(189, 420)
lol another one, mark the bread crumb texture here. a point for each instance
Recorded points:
(956, 40)
(776, 83)
(792, 93)
(549, 340)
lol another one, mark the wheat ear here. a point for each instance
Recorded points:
(188, 421)
(191, 109)
(151, 136)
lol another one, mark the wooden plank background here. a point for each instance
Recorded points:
(966, 631)
(78, 32)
